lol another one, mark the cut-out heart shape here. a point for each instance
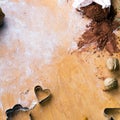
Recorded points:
(112, 113)
(43, 95)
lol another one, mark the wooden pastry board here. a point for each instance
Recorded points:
(36, 48)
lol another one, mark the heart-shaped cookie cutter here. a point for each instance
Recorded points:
(43, 96)
(109, 112)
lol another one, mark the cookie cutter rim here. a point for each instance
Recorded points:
(18, 107)
(106, 110)
(40, 89)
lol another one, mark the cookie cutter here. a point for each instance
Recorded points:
(45, 94)
(15, 110)
(42, 95)
(109, 112)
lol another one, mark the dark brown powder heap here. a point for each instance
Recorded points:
(101, 28)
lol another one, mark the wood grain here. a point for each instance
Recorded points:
(35, 50)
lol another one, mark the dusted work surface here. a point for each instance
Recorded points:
(35, 49)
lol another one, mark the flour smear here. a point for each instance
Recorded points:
(28, 42)
(25, 41)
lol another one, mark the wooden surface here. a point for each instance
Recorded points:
(35, 49)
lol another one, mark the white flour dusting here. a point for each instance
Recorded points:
(30, 38)
(61, 2)
(27, 40)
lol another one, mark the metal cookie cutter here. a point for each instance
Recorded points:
(110, 113)
(43, 96)
(11, 113)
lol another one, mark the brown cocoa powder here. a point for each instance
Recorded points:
(95, 12)
(101, 28)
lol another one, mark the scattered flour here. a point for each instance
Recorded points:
(28, 38)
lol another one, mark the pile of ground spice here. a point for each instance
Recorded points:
(101, 28)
